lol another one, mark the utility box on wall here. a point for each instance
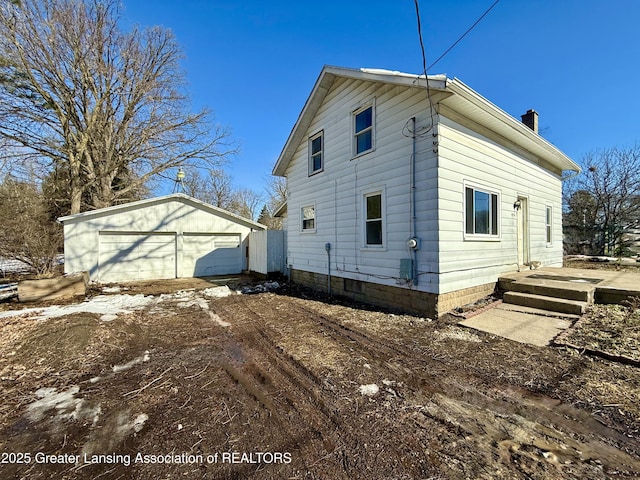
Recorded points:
(406, 268)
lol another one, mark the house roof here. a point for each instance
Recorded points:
(281, 210)
(179, 197)
(457, 96)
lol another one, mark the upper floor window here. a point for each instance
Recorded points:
(481, 212)
(363, 130)
(316, 153)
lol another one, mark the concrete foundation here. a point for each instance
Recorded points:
(412, 301)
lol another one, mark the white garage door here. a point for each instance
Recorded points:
(211, 254)
(136, 256)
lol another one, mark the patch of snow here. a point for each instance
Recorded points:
(110, 289)
(218, 320)
(8, 291)
(217, 292)
(108, 317)
(139, 421)
(192, 298)
(13, 266)
(66, 405)
(459, 334)
(369, 390)
(102, 305)
(118, 426)
(194, 302)
(119, 368)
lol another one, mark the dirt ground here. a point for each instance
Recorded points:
(289, 385)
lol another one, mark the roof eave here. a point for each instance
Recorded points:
(321, 88)
(172, 196)
(513, 130)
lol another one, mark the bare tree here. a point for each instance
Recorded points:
(215, 187)
(105, 107)
(220, 188)
(28, 233)
(605, 198)
(276, 196)
(246, 202)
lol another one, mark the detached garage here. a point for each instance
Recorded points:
(164, 237)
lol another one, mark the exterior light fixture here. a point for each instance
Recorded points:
(516, 205)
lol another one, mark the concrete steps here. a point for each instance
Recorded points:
(551, 295)
(543, 302)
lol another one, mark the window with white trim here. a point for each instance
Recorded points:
(316, 153)
(549, 224)
(374, 224)
(363, 130)
(308, 218)
(481, 213)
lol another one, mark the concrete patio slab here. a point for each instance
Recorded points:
(536, 328)
(580, 277)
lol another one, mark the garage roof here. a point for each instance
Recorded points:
(179, 197)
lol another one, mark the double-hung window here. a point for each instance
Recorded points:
(549, 224)
(316, 153)
(308, 217)
(363, 119)
(481, 213)
(374, 225)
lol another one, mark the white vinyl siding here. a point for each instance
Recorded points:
(338, 193)
(454, 154)
(467, 158)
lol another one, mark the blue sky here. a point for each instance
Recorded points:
(254, 62)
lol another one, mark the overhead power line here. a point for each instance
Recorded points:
(463, 35)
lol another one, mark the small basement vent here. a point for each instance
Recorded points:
(353, 286)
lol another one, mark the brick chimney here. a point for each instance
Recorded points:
(530, 119)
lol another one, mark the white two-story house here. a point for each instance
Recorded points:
(416, 194)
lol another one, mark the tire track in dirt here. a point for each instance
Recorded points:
(294, 395)
(441, 407)
(345, 441)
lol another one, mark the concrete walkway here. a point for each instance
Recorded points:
(521, 324)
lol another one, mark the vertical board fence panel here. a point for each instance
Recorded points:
(266, 251)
